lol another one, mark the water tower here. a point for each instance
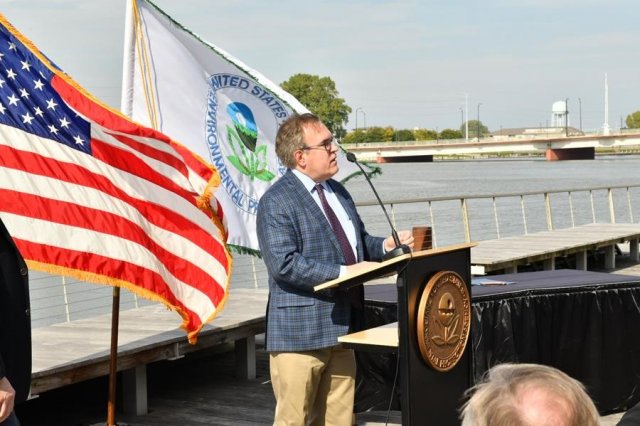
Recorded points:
(559, 114)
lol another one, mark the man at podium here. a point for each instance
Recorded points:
(310, 232)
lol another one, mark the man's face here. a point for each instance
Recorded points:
(316, 161)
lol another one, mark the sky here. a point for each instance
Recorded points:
(404, 64)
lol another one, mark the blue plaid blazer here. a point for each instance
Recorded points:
(300, 251)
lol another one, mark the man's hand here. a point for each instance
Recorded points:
(405, 237)
(7, 398)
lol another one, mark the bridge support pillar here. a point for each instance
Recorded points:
(571, 154)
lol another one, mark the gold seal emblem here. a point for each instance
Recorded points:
(444, 319)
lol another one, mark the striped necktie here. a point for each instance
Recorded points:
(347, 250)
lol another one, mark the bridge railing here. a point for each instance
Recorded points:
(486, 216)
(545, 134)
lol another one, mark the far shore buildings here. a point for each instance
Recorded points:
(560, 126)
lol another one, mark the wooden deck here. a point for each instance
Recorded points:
(200, 388)
(510, 252)
(192, 391)
(75, 351)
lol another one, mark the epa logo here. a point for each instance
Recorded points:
(242, 121)
(248, 159)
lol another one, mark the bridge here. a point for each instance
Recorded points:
(554, 148)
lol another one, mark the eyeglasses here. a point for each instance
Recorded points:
(326, 145)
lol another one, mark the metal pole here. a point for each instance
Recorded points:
(113, 361)
(566, 117)
(356, 132)
(356, 121)
(480, 103)
(580, 104)
(466, 115)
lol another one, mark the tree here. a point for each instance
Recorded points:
(320, 96)
(473, 129)
(357, 136)
(375, 134)
(450, 134)
(425, 134)
(403, 135)
(372, 134)
(633, 120)
(388, 134)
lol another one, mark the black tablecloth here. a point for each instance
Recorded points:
(587, 324)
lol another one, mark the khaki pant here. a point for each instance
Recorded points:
(313, 387)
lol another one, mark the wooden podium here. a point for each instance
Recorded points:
(434, 320)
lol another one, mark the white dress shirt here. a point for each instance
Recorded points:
(334, 203)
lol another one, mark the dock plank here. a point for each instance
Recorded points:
(69, 352)
(513, 251)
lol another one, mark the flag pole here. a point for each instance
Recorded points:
(113, 359)
(128, 54)
(115, 307)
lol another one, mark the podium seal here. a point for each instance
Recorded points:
(444, 320)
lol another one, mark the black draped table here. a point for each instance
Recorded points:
(587, 324)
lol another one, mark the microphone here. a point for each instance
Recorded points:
(400, 249)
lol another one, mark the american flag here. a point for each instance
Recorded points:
(87, 193)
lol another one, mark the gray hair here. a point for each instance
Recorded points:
(497, 399)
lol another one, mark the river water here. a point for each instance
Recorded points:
(402, 181)
(446, 178)
(500, 176)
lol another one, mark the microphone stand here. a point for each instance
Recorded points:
(399, 249)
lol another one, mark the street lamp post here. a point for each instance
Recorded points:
(580, 105)
(357, 109)
(461, 119)
(356, 132)
(480, 103)
(566, 117)
(364, 116)
(466, 115)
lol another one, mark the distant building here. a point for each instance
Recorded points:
(559, 114)
(560, 126)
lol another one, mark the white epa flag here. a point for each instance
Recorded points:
(221, 109)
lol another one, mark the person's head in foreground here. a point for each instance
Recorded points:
(528, 395)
